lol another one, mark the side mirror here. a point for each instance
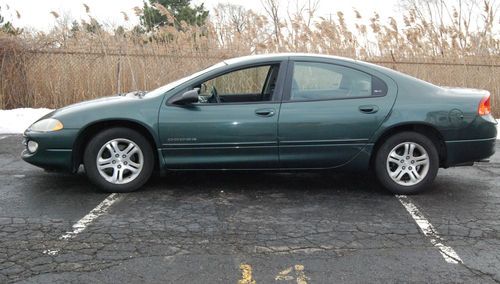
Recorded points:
(188, 97)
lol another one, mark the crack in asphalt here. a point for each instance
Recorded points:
(91, 246)
(479, 272)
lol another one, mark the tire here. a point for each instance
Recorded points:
(135, 160)
(410, 170)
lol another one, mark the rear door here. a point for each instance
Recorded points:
(330, 111)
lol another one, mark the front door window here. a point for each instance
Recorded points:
(255, 84)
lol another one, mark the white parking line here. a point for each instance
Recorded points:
(100, 209)
(82, 224)
(429, 231)
(3, 137)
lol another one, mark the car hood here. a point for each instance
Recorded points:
(130, 107)
(100, 103)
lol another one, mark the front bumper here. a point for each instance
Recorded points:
(469, 151)
(54, 149)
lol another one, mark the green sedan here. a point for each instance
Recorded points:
(272, 112)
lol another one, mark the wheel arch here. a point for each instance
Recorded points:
(426, 129)
(90, 130)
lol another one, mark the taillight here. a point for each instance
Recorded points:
(484, 106)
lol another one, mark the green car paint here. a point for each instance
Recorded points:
(330, 133)
(234, 137)
(275, 134)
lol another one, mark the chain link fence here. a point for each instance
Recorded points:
(56, 78)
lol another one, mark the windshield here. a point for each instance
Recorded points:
(163, 89)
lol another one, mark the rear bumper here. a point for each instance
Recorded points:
(469, 151)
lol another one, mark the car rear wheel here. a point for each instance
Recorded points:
(119, 160)
(407, 163)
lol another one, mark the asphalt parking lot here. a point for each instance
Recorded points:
(247, 228)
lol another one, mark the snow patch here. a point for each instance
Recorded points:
(15, 121)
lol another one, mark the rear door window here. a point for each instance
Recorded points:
(323, 81)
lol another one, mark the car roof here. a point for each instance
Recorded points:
(282, 56)
(261, 58)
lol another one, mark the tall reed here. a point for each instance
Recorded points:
(73, 62)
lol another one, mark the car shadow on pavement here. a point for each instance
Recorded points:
(312, 182)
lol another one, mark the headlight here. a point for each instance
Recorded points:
(46, 125)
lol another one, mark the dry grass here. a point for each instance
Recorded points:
(64, 66)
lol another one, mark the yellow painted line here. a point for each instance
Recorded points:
(246, 274)
(300, 275)
(284, 275)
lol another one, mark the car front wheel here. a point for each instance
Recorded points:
(119, 160)
(407, 163)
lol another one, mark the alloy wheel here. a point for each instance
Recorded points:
(408, 163)
(120, 161)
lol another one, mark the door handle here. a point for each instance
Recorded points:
(266, 112)
(368, 109)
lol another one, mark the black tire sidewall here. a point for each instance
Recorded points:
(95, 144)
(387, 146)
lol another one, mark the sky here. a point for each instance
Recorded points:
(35, 14)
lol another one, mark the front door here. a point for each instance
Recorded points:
(233, 126)
(329, 113)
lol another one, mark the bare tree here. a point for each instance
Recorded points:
(230, 21)
(233, 15)
(272, 10)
